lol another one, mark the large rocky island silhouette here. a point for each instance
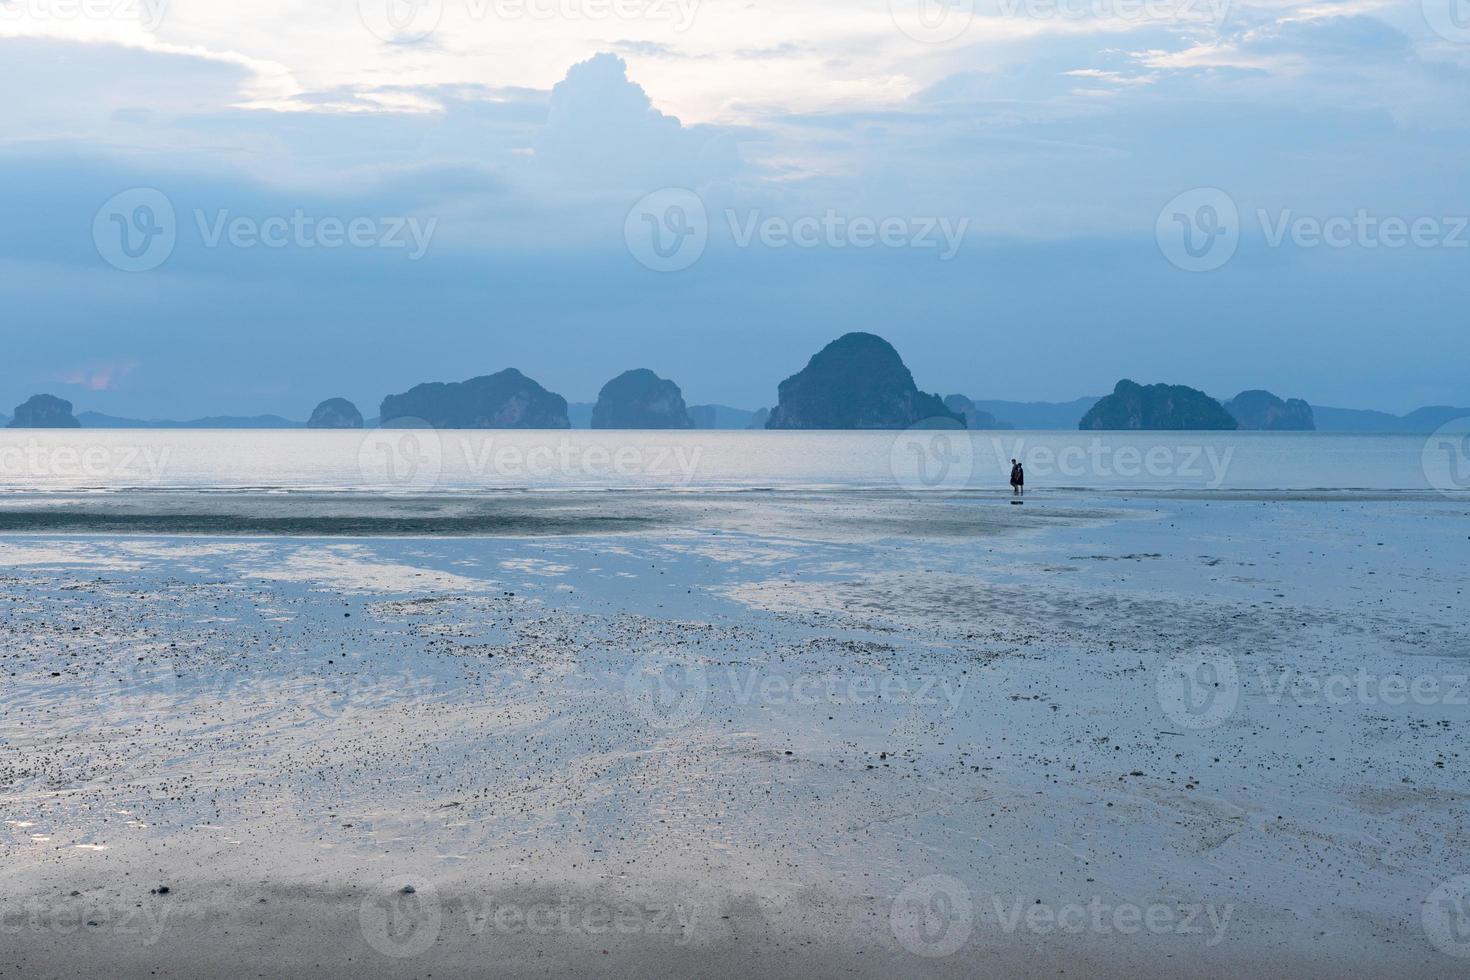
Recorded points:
(44, 412)
(1257, 409)
(504, 400)
(335, 413)
(640, 399)
(1158, 406)
(856, 382)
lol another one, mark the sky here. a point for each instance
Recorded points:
(217, 208)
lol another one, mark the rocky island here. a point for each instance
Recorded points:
(856, 382)
(1257, 409)
(1159, 406)
(505, 400)
(335, 413)
(640, 399)
(44, 412)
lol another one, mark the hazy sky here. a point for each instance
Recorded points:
(234, 208)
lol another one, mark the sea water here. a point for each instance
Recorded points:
(455, 461)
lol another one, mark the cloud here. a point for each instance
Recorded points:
(1059, 142)
(602, 128)
(98, 377)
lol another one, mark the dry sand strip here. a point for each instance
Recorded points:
(737, 746)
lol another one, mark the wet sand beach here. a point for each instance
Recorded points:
(725, 734)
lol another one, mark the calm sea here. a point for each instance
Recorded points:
(426, 461)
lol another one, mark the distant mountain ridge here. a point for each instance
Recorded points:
(96, 420)
(720, 417)
(1038, 415)
(1420, 420)
(975, 418)
(1062, 416)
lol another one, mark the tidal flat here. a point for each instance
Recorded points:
(730, 734)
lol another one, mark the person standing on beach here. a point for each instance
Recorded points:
(1018, 478)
